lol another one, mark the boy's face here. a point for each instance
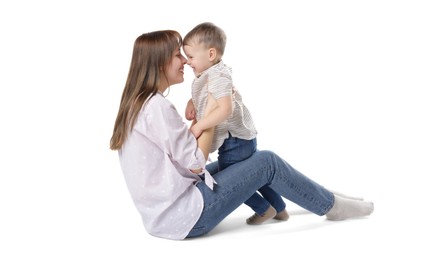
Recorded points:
(199, 57)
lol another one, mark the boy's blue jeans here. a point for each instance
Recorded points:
(238, 182)
(234, 150)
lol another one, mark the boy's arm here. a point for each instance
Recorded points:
(222, 110)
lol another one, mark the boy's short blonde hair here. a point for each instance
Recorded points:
(208, 34)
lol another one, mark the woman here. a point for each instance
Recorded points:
(164, 165)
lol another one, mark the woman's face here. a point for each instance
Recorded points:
(174, 70)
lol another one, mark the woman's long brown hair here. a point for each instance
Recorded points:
(152, 52)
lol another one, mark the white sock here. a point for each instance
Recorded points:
(344, 208)
(346, 196)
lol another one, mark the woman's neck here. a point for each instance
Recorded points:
(162, 89)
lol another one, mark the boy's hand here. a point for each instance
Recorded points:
(190, 111)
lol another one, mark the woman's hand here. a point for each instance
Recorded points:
(196, 171)
(196, 131)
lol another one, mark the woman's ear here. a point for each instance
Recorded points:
(212, 54)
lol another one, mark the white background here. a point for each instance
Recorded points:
(343, 90)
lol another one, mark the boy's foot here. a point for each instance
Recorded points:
(257, 219)
(282, 215)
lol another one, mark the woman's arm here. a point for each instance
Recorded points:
(204, 143)
(205, 140)
(164, 126)
(222, 110)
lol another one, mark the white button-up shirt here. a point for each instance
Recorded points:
(155, 160)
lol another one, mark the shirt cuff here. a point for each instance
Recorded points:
(201, 164)
(208, 179)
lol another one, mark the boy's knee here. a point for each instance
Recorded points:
(266, 154)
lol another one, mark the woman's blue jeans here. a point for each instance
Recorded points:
(234, 150)
(238, 182)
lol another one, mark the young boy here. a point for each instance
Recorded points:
(235, 132)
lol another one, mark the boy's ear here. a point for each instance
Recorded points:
(212, 54)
